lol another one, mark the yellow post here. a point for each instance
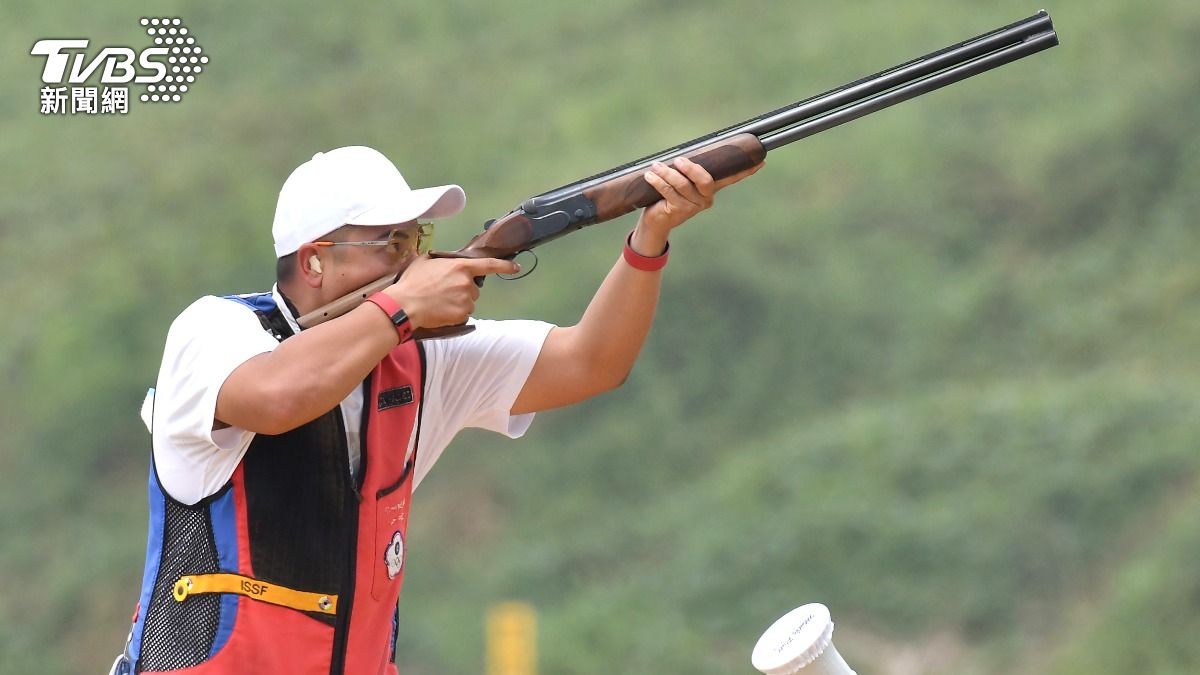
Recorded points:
(512, 639)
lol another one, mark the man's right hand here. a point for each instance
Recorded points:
(437, 292)
(310, 373)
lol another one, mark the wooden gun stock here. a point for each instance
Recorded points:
(345, 303)
(357, 297)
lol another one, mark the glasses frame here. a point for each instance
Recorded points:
(398, 237)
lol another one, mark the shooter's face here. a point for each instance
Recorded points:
(358, 255)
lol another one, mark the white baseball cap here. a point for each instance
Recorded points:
(355, 185)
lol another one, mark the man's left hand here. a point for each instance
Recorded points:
(687, 189)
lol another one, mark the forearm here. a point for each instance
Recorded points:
(327, 364)
(597, 353)
(616, 322)
(308, 374)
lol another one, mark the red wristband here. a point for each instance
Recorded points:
(645, 263)
(392, 308)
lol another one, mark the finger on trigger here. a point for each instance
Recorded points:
(484, 266)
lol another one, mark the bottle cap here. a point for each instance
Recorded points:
(800, 639)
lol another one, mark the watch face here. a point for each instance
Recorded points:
(403, 325)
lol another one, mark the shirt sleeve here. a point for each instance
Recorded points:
(473, 381)
(205, 344)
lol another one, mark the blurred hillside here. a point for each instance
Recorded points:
(934, 368)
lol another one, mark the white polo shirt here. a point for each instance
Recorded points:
(470, 381)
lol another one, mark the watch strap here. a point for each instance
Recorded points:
(394, 312)
(641, 262)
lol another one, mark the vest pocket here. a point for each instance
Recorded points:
(391, 528)
(384, 492)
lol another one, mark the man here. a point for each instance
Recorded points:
(284, 460)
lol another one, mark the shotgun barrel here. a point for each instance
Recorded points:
(869, 94)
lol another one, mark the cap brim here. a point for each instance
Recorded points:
(431, 202)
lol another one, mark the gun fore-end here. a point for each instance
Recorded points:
(722, 159)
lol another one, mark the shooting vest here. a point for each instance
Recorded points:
(291, 567)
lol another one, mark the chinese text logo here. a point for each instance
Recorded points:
(167, 68)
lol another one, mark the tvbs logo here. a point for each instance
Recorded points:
(167, 68)
(117, 61)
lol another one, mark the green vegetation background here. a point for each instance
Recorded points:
(935, 369)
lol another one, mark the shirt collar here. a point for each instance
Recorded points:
(285, 308)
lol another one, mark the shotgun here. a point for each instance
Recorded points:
(722, 153)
